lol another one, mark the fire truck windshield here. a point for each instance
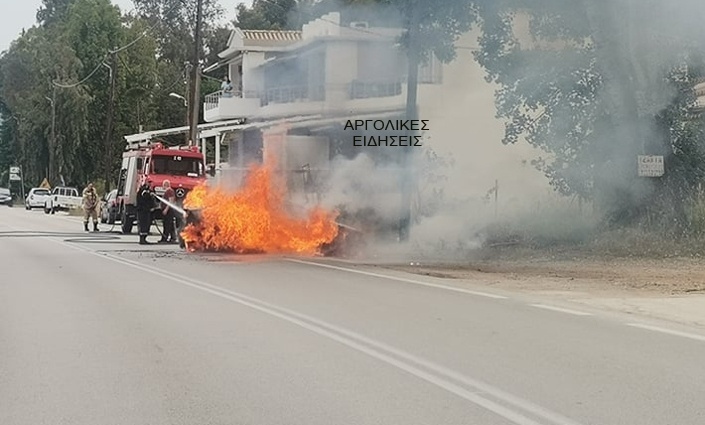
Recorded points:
(177, 165)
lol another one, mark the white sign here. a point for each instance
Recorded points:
(14, 170)
(15, 177)
(650, 165)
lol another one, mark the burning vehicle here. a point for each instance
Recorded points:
(254, 219)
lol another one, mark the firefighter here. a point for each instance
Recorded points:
(90, 207)
(169, 235)
(145, 204)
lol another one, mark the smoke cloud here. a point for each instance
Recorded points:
(469, 181)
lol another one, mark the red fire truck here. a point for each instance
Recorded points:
(149, 162)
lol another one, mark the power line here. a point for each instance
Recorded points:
(115, 51)
(88, 77)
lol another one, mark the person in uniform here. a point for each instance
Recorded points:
(145, 204)
(90, 207)
(168, 214)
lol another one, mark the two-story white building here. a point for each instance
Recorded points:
(325, 69)
(315, 80)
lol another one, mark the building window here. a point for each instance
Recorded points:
(431, 71)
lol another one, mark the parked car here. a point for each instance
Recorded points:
(36, 198)
(63, 199)
(109, 208)
(5, 197)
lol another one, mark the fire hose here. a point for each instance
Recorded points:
(171, 205)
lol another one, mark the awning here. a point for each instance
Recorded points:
(149, 135)
(218, 128)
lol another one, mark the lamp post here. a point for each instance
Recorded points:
(178, 96)
(109, 122)
(52, 143)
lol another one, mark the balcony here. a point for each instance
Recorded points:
(294, 100)
(699, 105)
(355, 97)
(286, 101)
(220, 106)
(366, 90)
(379, 96)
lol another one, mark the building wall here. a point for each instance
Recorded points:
(461, 112)
(341, 68)
(379, 61)
(252, 78)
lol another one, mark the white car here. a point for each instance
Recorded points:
(36, 198)
(63, 199)
(5, 197)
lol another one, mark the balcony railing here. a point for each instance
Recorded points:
(212, 100)
(316, 93)
(365, 90)
(291, 94)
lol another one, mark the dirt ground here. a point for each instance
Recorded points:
(598, 276)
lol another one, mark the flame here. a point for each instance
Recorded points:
(255, 219)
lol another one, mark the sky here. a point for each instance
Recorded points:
(18, 14)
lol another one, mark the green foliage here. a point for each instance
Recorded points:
(439, 24)
(53, 11)
(267, 15)
(71, 45)
(174, 24)
(27, 70)
(594, 85)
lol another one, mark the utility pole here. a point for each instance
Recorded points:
(194, 92)
(109, 121)
(52, 142)
(187, 98)
(413, 57)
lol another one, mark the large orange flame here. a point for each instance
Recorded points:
(255, 219)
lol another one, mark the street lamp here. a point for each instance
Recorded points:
(178, 96)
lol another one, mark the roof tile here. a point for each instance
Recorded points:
(272, 35)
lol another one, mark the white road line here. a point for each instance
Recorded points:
(401, 279)
(668, 331)
(561, 310)
(443, 377)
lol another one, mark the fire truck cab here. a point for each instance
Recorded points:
(153, 163)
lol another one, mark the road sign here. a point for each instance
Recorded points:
(650, 165)
(15, 177)
(14, 170)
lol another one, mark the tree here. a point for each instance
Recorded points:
(267, 15)
(586, 85)
(93, 28)
(432, 28)
(52, 11)
(27, 71)
(8, 127)
(174, 25)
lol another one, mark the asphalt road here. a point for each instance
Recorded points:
(95, 329)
